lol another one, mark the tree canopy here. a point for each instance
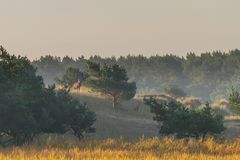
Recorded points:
(111, 80)
(176, 119)
(234, 99)
(207, 75)
(28, 109)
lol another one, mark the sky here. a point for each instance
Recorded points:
(34, 28)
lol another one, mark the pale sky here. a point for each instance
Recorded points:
(118, 27)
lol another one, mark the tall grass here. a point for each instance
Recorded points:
(55, 148)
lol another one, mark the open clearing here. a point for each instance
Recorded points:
(129, 123)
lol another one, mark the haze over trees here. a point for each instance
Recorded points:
(28, 108)
(31, 108)
(70, 77)
(209, 75)
(174, 91)
(234, 99)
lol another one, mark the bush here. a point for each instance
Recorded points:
(176, 119)
(234, 100)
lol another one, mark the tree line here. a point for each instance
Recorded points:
(208, 75)
(29, 108)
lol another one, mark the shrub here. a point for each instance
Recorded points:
(234, 100)
(176, 119)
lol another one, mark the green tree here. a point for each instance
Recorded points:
(69, 115)
(205, 121)
(234, 100)
(111, 80)
(176, 119)
(20, 88)
(49, 68)
(28, 109)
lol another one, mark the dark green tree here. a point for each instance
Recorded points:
(234, 100)
(205, 121)
(28, 109)
(69, 115)
(111, 80)
(176, 119)
(20, 88)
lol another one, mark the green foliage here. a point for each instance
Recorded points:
(234, 100)
(69, 115)
(49, 68)
(221, 91)
(176, 119)
(71, 76)
(112, 81)
(28, 109)
(174, 91)
(224, 89)
(204, 75)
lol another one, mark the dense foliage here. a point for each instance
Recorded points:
(111, 80)
(234, 99)
(176, 119)
(28, 109)
(209, 75)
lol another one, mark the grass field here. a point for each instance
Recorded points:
(138, 142)
(58, 148)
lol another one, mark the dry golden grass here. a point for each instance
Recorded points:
(221, 103)
(119, 149)
(232, 118)
(87, 92)
(193, 102)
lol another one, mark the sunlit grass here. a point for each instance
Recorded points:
(232, 118)
(55, 148)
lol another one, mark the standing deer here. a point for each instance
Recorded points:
(77, 85)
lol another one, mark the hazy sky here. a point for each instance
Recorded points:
(118, 27)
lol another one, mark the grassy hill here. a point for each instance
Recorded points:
(132, 119)
(125, 121)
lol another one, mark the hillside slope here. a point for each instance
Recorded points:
(132, 120)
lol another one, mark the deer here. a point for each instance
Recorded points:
(76, 86)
